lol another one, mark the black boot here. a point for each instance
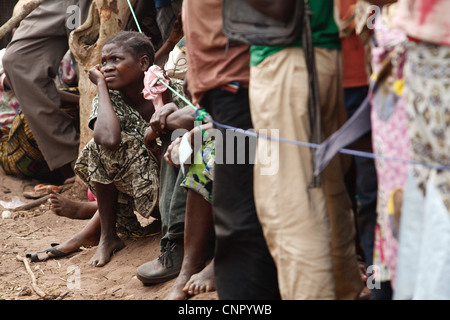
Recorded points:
(167, 266)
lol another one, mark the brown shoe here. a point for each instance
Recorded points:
(167, 266)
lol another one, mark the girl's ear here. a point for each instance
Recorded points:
(145, 62)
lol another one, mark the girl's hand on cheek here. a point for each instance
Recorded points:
(95, 75)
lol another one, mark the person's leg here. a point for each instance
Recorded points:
(172, 199)
(88, 236)
(243, 266)
(201, 282)
(109, 240)
(71, 209)
(345, 264)
(199, 227)
(293, 215)
(31, 62)
(366, 182)
(172, 206)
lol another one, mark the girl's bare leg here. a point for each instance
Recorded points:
(109, 241)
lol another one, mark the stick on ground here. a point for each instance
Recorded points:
(33, 278)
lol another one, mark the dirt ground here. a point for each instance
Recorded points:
(69, 278)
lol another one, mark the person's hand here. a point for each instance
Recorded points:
(150, 142)
(172, 154)
(96, 75)
(177, 30)
(158, 120)
(149, 137)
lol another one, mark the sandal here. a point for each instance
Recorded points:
(43, 255)
(41, 190)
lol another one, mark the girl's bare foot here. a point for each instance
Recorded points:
(81, 239)
(75, 243)
(65, 207)
(106, 248)
(201, 282)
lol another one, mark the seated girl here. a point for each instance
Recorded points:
(116, 165)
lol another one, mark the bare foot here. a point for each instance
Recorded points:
(74, 244)
(65, 207)
(201, 282)
(106, 248)
(177, 293)
(82, 239)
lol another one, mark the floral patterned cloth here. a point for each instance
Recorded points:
(389, 136)
(426, 20)
(427, 91)
(8, 101)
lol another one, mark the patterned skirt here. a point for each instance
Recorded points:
(133, 171)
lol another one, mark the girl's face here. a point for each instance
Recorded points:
(120, 68)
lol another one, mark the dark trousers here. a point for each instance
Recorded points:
(366, 181)
(172, 201)
(366, 190)
(244, 268)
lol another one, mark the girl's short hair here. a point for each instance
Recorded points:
(137, 43)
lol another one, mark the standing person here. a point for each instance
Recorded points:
(423, 269)
(218, 80)
(310, 230)
(31, 62)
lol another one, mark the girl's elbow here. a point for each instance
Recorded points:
(108, 143)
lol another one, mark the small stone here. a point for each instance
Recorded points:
(6, 214)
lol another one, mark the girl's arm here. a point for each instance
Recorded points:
(107, 126)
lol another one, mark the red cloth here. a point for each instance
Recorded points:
(353, 52)
(353, 62)
(91, 196)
